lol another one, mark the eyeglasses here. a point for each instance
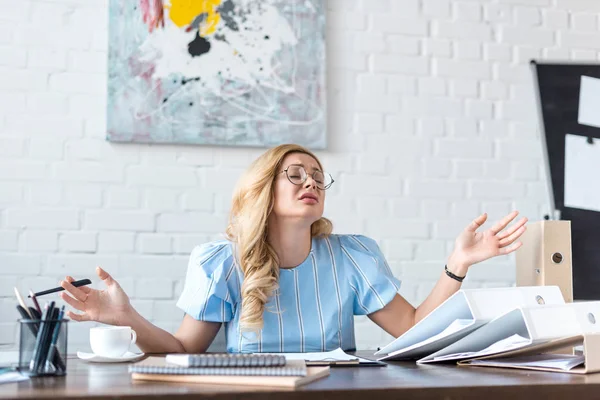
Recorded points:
(297, 175)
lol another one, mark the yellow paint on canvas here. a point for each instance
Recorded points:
(183, 13)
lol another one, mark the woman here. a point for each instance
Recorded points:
(281, 282)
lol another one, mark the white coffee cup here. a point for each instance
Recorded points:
(111, 341)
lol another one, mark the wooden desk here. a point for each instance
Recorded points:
(404, 380)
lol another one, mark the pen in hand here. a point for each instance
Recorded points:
(78, 283)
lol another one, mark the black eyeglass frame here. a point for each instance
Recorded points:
(306, 175)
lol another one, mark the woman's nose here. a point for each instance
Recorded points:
(310, 182)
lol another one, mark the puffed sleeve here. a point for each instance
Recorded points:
(371, 279)
(206, 295)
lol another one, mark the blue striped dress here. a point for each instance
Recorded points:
(314, 308)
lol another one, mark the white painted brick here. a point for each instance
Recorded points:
(462, 30)
(579, 40)
(431, 127)
(222, 179)
(191, 222)
(402, 85)
(525, 170)
(430, 250)
(48, 14)
(83, 195)
(87, 61)
(116, 242)
(400, 64)
(7, 32)
(42, 218)
(526, 54)
(537, 192)
(584, 55)
(496, 170)
(161, 176)
(449, 228)
(7, 283)
(119, 220)
(393, 24)
(437, 8)
(166, 310)
(404, 146)
(432, 189)
(431, 86)
(367, 103)
(494, 90)
(468, 50)
(495, 128)
(17, 12)
(515, 109)
(372, 164)
(81, 265)
(353, 185)
(479, 149)
(469, 169)
(198, 200)
(47, 58)
(399, 125)
(39, 241)
(11, 146)
(406, 8)
(433, 209)
(397, 228)
(8, 333)
(8, 240)
(23, 264)
(437, 47)
(578, 5)
(369, 123)
(371, 83)
(78, 82)
(497, 190)
(404, 45)
(44, 148)
(437, 168)
(161, 199)
(13, 102)
(354, 20)
(13, 57)
(556, 54)
(464, 88)
(520, 35)
(376, 207)
(85, 171)
(184, 244)
(529, 2)
(159, 156)
(347, 60)
(154, 244)
(24, 79)
(58, 126)
(11, 192)
(463, 127)
(497, 13)
(87, 105)
(77, 242)
(405, 208)
(397, 250)
(45, 194)
(47, 103)
(527, 16)
(468, 11)
(468, 210)
(497, 52)
(145, 308)
(479, 108)
(462, 69)
(433, 106)
(199, 157)
(158, 266)
(367, 42)
(555, 19)
(119, 197)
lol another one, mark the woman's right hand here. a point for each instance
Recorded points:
(109, 306)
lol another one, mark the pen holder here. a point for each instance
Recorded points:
(43, 347)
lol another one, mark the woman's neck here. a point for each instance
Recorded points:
(291, 242)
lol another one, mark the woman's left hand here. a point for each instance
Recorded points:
(472, 247)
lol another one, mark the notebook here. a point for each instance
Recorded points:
(157, 369)
(226, 360)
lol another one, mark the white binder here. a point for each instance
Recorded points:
(472, 308)
(536, 325)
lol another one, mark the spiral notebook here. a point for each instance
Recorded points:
(226, 360)
(293, 374)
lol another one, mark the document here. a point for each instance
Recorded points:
(559, 362)
(334, 357)
(510, 343)
(589, 102)
(582, 161)
(8, 375)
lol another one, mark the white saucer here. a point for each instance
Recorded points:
(91, 357)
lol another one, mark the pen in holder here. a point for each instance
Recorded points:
(43, 346)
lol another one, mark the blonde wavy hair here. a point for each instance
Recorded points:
(252, 204)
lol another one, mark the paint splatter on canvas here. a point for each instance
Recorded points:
(226, 72)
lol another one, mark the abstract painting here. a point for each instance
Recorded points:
(217, 72)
